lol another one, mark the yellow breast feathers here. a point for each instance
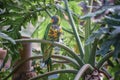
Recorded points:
(55, 32)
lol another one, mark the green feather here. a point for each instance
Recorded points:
(45, 36)
(48, 48)
(47, 30)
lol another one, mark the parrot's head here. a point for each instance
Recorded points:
(55, 19)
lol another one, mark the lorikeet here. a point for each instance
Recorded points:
(52, 33)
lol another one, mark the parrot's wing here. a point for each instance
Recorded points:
(45, 37)
(46, 31)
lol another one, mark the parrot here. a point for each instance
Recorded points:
(52, 33)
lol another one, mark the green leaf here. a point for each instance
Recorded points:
(116, 31)
(117, 50)
(42, 27)
(14, 7)
(11, 14)
(74, 7)
(105, 47)
(89, 15)
(97, 35)
(4, 36)
(34, 19)
(112, 21)
(6, 22)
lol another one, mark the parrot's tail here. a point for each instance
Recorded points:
(48, 62)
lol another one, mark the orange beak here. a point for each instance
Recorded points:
(52, 20)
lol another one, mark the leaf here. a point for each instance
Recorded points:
(89, 15)
(66, 25)
(34, 19)
(117, 49)
(42, 27)
(105, 47)
(116, 31)
(116, 8)
(97, 35)
(14, 7)
(11, 14)
(5, 22)
(75, 8)
(26, 32)
(4, 36)
(15, 22)
(112, 21)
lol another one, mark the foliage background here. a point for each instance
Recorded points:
(97, 30)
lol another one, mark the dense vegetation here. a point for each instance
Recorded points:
(90, 39)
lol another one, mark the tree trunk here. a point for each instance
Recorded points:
(24, 72)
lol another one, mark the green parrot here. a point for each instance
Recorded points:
(52, 33)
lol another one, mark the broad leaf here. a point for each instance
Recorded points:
(97, 35)
(4, 36)
(116, 31)
(112, 21)
(34, 19)
(89, 15)
(74, 6)
(105, 47)
(117, 49)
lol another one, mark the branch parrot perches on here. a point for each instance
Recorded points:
(52, 33)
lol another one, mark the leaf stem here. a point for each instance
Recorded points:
(78, 40)
(82, 71)
(53, 72)
(39, 57)
(93, 53)
(70, 32)
(87, 34)
(105, 58)
(76, 57)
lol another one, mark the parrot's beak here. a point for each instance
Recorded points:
(52, 20)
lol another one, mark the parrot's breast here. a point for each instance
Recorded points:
(54, 33)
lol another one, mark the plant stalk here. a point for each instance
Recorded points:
(93, 53)
(82, 71)
(70, 32)
(105, 58)
(87, 34)
(39, 57)
(76, 57)
(54, 72)
(78, 40)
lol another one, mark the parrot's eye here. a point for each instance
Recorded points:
(55, 19)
